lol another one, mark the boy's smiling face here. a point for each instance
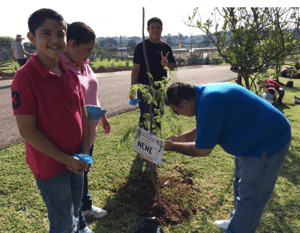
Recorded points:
(49, 40)
(155, 31)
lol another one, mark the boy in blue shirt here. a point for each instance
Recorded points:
(244, 125)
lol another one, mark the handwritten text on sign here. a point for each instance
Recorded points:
(149, 146)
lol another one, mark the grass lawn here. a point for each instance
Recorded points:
(110, 64)
(209, 198)
(9, 66)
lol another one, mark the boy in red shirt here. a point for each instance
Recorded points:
(268, 83)
(49, 106)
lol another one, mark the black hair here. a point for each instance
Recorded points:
(38, 17)
(80, 32)
(154, 20)
(177, 92)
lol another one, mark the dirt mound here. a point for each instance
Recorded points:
(140, 193)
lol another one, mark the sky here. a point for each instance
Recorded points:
(107, 18)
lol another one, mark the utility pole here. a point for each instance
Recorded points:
(191, 44)
(121, 46)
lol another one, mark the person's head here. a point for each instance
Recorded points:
(47, 32)
(154, 27)
(81, 40)
(181, 99)
(19, 38)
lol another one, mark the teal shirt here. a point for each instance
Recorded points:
(239, 121)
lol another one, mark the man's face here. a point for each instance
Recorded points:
(155, 31)
(49, 39)
(187, 109)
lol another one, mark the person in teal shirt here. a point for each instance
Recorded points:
(244, 125)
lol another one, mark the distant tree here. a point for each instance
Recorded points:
(108, 42)
(170, 40)
(131, 44)
(180, 37)
(252, 39)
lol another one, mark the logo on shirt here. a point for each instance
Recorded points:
(16, 99)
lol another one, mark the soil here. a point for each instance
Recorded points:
(170, 210)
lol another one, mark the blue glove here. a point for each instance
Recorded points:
(84, 158)
(94, 112)
(134, 102)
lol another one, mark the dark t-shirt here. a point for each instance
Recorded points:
(153, 53)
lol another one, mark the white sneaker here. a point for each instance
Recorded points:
(94, 212)
(222, 224)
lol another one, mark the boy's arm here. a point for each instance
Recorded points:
(28, 130)
(135, 76)
(85, 143)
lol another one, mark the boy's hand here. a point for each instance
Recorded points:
(105, 125)
(164, 59)
(76, 165)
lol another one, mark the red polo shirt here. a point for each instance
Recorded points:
(56, 103)
(272, 83)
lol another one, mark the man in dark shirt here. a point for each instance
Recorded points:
(159, 55)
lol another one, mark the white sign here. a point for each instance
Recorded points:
(149, 146)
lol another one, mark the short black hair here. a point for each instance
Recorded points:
(38, 17)
(177, 92)
(80, 32)
(154, 20)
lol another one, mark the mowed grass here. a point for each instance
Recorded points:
(112, 63)
(9, 66)
(23, 210)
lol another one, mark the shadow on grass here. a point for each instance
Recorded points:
(136, 198)
(133, 199)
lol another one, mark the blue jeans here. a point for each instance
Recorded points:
(62, 195)
(253, 185)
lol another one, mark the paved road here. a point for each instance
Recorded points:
(112, 91)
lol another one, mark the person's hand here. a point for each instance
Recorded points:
(105, 125)
(164, 59)
(76, 165)
(168, 144)
(173, 138)
(131, 95)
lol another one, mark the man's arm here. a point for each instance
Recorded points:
(13, 54)
(135, 76)
(28, 130)
(188, 136)
(186, 148)
(26, 53)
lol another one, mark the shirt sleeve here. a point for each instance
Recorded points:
(24, 100)
(138, 54)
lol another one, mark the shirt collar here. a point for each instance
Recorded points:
(45, 73)
(68, 62)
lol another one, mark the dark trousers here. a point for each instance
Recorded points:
(281, 94)
(22, 61)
